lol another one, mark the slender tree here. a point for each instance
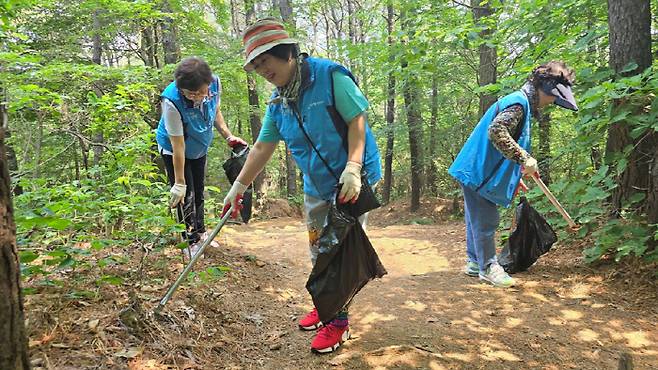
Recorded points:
(285, 9)
(169, 35)
(412, 102)
(390, 107)
(488, 58)
(544, 147)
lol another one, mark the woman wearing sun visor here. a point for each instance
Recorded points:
(491, 162)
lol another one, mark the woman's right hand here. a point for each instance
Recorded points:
(234, 199)
(177, 194)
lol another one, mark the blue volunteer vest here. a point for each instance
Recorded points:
(315, 96)
(481, 167)
(198, 123)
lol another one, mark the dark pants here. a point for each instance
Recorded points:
(192, 209)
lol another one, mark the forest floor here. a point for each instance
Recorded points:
(425, 313)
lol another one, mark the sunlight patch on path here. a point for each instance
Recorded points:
(403, 256)
(637, 339)
(416, 306)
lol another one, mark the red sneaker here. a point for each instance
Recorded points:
(311, 321)
(329, 338)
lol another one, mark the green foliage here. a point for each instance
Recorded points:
(83, 133)
(208, 275)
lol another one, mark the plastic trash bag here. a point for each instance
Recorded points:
(232, 168)
(531, 238)
(346, 263)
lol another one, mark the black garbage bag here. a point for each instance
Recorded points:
(346, 263)
(232, 168)
(531, 238)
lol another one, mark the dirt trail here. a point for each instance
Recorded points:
(424, 314)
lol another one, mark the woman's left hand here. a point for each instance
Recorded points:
(351, 183)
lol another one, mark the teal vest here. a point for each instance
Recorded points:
(198, 123)
(315, 96)
(481, 167)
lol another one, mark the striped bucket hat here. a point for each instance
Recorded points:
(261, 36)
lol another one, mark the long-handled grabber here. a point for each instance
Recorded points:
(193, 260)
(572, 225)
(179, 216)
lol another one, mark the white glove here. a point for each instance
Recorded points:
(351, 180)
(529, 166)
(233, 197)
(177, 193)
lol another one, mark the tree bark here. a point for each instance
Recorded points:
(254, 105)
(98, 135)
(544, 147)
(291, 174)
(629, 24)
(37, 147)
(147, 46)
(255, 126)
(488, 58)
(285, 8)
(12, 161)
(97, 48)
(390, 109)
(431, 170)
(169, 36)
(414, 122)
(13, 351)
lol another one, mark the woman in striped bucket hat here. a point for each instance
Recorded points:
(314, 99)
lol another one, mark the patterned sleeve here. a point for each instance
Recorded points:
(501, 130)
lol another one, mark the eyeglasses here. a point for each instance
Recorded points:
(201, 93)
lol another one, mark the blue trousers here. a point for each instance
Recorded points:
(482, 220)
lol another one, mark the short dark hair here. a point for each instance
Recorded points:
(192, 73)
(284, 51)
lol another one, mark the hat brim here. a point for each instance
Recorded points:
(564, 97)
(263, 48)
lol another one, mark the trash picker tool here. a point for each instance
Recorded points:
(179, 216)
(572, 225)
(189, 266)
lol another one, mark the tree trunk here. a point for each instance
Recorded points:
(390, 109)
(285, 9)
(291, 169)
(255, 125)
(37, 147)
(12, 161)
(414, 122)
(544, 148)
(291, 174)
(169, 36)
(254, 105)
(97, 48)
(13, 351)
(629, 24)
(488, 58)
(156, 41)
(147, 46)
(433, 127)
(98, 135)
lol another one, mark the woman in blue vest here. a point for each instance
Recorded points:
(190, 110)
(305, 88)
(490, 165)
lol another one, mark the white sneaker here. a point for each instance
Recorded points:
(497, 276)
(205, 236)
(192, 250)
